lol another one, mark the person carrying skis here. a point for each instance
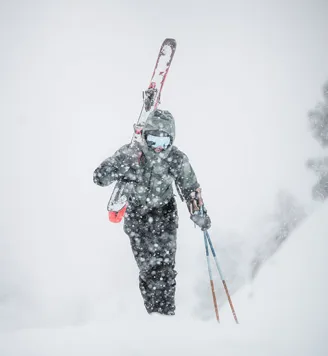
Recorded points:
(151, 220)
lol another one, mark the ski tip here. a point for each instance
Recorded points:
(170, 41)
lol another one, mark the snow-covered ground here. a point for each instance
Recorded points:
(284, 312)
(242, 80)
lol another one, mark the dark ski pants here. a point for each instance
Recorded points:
(153, 242)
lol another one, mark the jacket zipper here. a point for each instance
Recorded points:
(149, 183)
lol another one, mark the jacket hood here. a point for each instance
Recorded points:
(161, 120)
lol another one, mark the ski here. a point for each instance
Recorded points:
(118, 201)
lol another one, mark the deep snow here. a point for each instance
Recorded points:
(284, 312)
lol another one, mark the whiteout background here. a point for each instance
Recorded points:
(242, 80)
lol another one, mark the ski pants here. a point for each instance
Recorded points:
(153, 242)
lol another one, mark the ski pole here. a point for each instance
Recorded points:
(211, 278)
(207, 237)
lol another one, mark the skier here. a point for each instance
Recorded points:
(151, 218)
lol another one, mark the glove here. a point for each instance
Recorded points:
(198, 213)
(202, 220)
(149, 95)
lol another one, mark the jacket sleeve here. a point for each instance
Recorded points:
(186, 180)
(115, 167)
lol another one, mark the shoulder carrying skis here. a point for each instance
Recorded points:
(151, 99)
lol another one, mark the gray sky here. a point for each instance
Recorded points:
(242, 80)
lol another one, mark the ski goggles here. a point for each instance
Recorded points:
(158, 142)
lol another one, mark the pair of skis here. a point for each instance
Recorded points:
(151, 99)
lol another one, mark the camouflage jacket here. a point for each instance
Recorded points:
(150, 175)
